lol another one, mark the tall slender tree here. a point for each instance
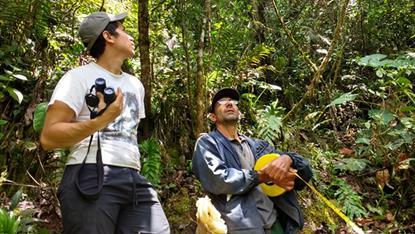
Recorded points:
(145, 62)
(200, 89)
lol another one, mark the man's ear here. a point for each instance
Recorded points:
(212, 117)
(107, 36)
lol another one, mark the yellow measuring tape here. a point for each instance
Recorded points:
(273, 190)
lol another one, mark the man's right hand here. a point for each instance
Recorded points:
(279, 172)
(287, 182)
(113, 110)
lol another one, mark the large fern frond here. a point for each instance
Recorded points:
(151, 161)
(270, 122)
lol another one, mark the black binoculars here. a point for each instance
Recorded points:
(92, 100)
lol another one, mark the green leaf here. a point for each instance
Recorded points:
(4, 78)
(352, 204)
(408, 122)
(375, 210)
(351, 164)
(312, 115)
(30, 145)
(394, 145)
(9, 223)
(20, 77)
(270, 123)
(39, 116)
(363, 140)
(406, 164)
(372, 60)
(378, 60)
(151, 162)
(2, 122)
(384, 116)
(403, 81)
(16, 199)
(15, 94)
(379, 73)
(408, 109)
(346, 97)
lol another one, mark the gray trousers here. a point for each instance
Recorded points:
(127, 203)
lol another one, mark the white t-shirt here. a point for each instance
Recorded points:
(119, 145)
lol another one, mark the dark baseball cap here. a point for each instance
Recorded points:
(93, 25)
(226, 92)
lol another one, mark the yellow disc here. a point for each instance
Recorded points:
(271, 190)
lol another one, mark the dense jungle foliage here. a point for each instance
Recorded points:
(332, 80)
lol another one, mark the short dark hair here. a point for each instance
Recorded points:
(99, 46)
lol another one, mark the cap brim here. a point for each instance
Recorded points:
(118, 17)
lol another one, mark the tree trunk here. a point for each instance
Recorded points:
(145, 63)
(184, 43)
(200, 89)
(259, 22)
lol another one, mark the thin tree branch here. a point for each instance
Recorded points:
(12, 183)
(317, 75)
(292, 39)
(102, 5)
(157, 6)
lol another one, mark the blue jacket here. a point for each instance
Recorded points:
(216, 165)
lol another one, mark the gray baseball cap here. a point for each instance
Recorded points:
(93, 25)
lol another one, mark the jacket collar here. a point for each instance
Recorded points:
(224, 141)
(221, 139)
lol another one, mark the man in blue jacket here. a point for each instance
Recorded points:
(223, 161)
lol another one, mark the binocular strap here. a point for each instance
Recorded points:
(94, 194)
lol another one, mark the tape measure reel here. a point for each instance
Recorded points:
(269, 189)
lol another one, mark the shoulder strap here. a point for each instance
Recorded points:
(99, 170)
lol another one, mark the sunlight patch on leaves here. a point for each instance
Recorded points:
(384, 116)
(351, 164)
(379, 60)
(20, 77)
(346, 97)
(15, 94)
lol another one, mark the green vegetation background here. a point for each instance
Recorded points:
(332, 80)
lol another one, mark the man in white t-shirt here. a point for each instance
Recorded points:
(101, 190)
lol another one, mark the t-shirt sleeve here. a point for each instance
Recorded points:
(141, 111)
(70, 91)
